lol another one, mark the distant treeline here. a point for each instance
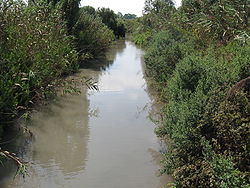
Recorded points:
(199, 55)
(44, 40)
(127, 16)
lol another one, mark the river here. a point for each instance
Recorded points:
(97, 139)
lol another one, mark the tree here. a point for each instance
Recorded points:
(120, 15)
(157, 6)
(157, 13)
(129, 16)
(88, 9)
(110, 19)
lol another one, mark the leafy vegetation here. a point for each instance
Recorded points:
(129, 16)
(40, 42)
(110, 19)
(35, 49)
(92, 36)
(199, 56)
(114, 22)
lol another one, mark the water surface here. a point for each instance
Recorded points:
(96, 139)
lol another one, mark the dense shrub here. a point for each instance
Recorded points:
(199, 56)
(218, 20)
(112, 21)
(92, 36)
(35, 50)
(158, 12)
(69, 8)
(89, 10)
(142, 39)
(163, 53)
(199, 112)
(131, 25)
(39, 43)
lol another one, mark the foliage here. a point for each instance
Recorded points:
(157, 6)
(39, 43)
(35, 49)
(92, 36)
(198, 54)
(130, 26)
(164, 53)
(157, 13)
(129, 16)
(219, 20)
(142, 39)
(137, 27)
(89, 10)
(69, 8)
(198, 110)
(110, 19)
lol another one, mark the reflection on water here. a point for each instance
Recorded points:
(96, 139)
(104, 63)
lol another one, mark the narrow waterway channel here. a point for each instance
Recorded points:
(97, 139)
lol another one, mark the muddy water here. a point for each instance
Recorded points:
(95, 139)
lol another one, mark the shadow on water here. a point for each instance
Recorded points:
(104, 62)
(60, 144)
(18, 143)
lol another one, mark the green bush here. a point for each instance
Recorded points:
(199, 54)
(112, 21)
(35, 50)
(165, 50)
(198, 109)
(92, 36)
(142, 39)
(215, 20)
(163, 54)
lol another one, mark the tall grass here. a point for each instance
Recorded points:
(35, 50)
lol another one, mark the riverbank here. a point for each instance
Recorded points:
(36, 50)
(202, 77)
(40, 44)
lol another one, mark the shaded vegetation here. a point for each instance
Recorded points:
(91, 35)
(114, 22)
(110, 19)
(199, 56)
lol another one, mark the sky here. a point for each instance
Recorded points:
(123, 6)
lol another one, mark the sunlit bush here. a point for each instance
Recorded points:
(218, 20)
(35, 50)
(142, 39)
(198, 112)
(163, 54)
(165, 50)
